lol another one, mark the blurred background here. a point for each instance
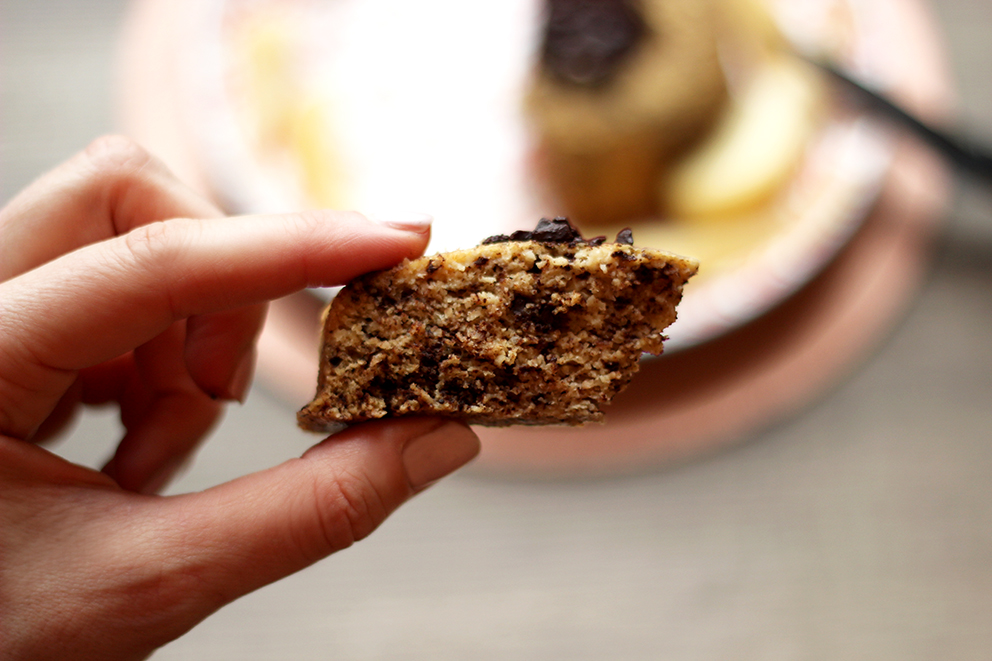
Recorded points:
(858, 528)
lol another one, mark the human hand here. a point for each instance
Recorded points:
(118, 284)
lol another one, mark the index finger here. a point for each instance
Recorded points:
(107, 189)
(102, 300)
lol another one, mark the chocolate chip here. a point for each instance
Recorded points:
(383, 386)
(555, 230)
(465, 393)
(518, 305)
(540, 313)
(522, 235)
(625, 236)
(548, 230)
(646, 275)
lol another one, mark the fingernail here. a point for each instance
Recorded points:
(437, 453)
(419, 223)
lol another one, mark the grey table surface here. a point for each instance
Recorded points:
(859, 529)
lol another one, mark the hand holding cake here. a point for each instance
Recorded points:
(120, 286)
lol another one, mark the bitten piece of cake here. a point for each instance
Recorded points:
(540, 327)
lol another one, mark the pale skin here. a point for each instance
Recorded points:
(120, 285)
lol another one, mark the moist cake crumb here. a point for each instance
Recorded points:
(538, 327)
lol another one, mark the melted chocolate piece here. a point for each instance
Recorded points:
(625, 236)
(586, 41)
(558, 230)
(542, 314)
(554, 230)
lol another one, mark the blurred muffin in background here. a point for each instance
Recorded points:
(686, 109)
(622, 88)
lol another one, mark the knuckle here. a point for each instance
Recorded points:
(351, 218)
(308, 228)
(152, 253)
(117, 154)
(117, 165)
(307, 224)
(147, 239)
(144, 245)
(152, 244)
(347, 508)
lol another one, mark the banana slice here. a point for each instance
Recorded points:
(754, 150)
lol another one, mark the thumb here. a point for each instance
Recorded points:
(89, 571)
(241, 535)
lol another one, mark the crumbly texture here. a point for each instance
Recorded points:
(510, 332)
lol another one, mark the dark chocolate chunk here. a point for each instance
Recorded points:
(518, 306)
(586, 41)
(645, 275)
(557, 230)
(542, 314)
(465, 393)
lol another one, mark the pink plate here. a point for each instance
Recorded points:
(753, 342)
